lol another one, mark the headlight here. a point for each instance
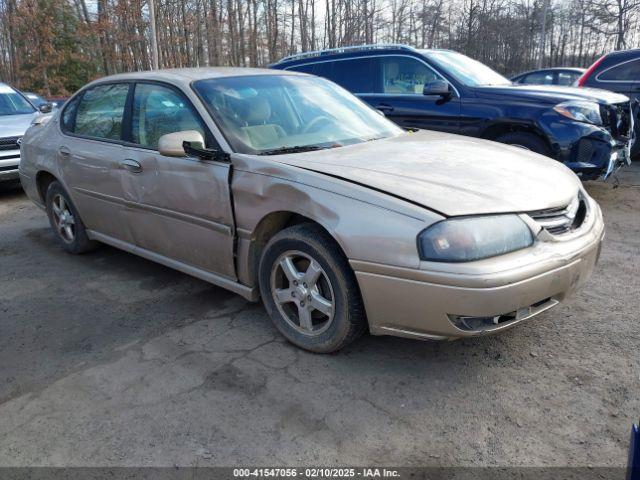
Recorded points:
(580, 111)
(473, 238)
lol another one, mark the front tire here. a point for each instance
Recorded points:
(65, 221)
(309, 290)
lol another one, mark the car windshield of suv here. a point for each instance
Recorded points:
(467, 71)
(275, 113)
(12, 103)
(37, 100)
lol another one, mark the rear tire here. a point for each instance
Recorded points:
(66, 222)
(525, 140)
(310, 291)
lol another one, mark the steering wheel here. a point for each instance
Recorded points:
(315, 122)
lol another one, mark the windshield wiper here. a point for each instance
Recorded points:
(296, 149)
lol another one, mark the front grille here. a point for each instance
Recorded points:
(9, 143)
(562, 220)
(616, 118)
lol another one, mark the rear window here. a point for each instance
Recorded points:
(623, 72)
(100, 112)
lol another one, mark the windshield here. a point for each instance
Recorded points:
(37, 100)
(266, 113)
(12, 103)
(466, 70)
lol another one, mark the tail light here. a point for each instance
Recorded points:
(585, 76)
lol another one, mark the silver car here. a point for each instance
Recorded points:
(285, 187)
(16, 116)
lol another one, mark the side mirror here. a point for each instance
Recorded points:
(380, 112)
(171, 144)
(440, 88)
(45, 108)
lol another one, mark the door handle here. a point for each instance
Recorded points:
(64, 151)
(131, 165)
(384, 107)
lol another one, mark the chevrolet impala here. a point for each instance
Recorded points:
(285, 187)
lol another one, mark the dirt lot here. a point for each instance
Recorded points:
(108, 359)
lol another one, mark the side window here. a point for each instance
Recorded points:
(159, 110)
(324, 69)
(539, 78)
(355, 75)
(68, 116)
(100, 111)
(567, 78)
(624, 72)
(405, 75)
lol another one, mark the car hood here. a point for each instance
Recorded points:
(449, 174)
(550, 93)
(16, 125)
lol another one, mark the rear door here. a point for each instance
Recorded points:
(399, 94)
(89, 153)
(179, 208)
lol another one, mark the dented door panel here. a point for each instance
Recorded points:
(181, 208)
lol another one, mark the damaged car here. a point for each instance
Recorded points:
(590, 131)
(285, 187)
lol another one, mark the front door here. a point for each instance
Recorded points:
(401, 96)
(179, 208)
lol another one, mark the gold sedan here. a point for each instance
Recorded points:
(285, 187)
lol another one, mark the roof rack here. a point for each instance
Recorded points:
(355, 48)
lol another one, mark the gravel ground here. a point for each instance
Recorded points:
(107, 359)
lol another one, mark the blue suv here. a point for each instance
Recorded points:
(590, 131)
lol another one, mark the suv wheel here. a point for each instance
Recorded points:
(65, 221)
(309, 290)
(525, 140)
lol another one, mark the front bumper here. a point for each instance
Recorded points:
(425, 303)
(590, 151)
(9, 163)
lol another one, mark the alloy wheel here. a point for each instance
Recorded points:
(302, 292)
(63, 218)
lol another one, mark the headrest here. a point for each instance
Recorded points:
(259, 111)
(392, 70)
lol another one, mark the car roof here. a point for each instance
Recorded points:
(553, 69)
(623, 53)
(184, 76)
(345, 52)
